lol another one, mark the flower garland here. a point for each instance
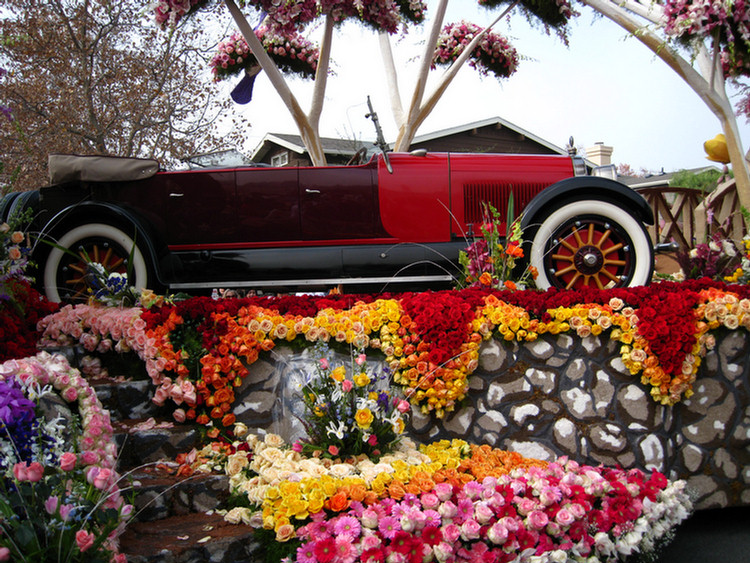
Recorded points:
(291, 53)
(70, 496)
(197, 351)
(494, 54)
(450, 501)
(724, 21)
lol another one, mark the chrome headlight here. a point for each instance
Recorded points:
(607, 171)
(579, 166)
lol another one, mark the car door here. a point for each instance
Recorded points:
(267, 205)
(338, 203)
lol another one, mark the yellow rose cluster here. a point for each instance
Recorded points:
(285, 487)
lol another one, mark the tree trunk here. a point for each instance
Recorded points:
(308, 131)
(709, 86)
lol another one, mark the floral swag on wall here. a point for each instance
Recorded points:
(197, 351)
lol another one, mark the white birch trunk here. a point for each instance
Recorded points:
(710, 85)
(308, 128)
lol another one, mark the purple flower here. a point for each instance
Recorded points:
(15, 408)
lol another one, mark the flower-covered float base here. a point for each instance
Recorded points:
(447, 501)
(627, 376)
(566, 396)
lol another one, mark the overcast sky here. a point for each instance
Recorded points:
(605, 87)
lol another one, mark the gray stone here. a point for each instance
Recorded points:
(254, 403)
(492, 356)
(652, 450)
(576, 370)
(714, 427)
(564, 342)
(262, 372)
(493, 421)
(551, 407)
(724, 464)
(707, 392)
(733, 344)
(542, 379)
(634, 401)
(741, 433)
(419, 421)
(520, 413)
(565, 434)
(592, 344)
(498, 393)
(608, 437)
(534, 450)
(579, 403)
(604, 391)
(541, 349)
(627, 460)
(617, 365)
(459, 423)
(692, 457)
(476, 384)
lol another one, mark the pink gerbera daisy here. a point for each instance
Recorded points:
(347, 526)
(388, 526)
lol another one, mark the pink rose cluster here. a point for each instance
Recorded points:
(97, 329)
(101, 329)
(494, 54)
(95, 443)
(550, 513)
(381, 15)
(290, 52)
(726, 22)
(169, 12)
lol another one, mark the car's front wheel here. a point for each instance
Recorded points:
(66, 266)
(591, 243)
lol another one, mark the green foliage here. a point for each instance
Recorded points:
(705, 181)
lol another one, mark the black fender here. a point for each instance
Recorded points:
(5, 204)
(19, 202)
(587, 187)
(102, 212)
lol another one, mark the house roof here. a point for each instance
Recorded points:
(660, 179)
(491, 121)
(342, 147)
(347, 147)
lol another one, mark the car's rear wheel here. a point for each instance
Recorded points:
(65, 271)
(591, 243)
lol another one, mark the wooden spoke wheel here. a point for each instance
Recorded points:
(592, 244)
(67, 274)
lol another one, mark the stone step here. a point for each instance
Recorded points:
(129, 399)
(159, 493)
(143, 441)
(190, 538)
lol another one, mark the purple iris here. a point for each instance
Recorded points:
(17, 418)
(15, 408)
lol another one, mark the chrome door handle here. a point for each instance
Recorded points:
(176, 195)
(309, 191)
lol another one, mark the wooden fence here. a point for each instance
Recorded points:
(684, 216)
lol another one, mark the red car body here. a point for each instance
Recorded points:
(273, 228)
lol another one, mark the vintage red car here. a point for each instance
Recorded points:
(362, 226)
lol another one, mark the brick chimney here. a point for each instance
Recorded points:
(600, 154)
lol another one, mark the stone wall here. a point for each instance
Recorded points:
(563, 395)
